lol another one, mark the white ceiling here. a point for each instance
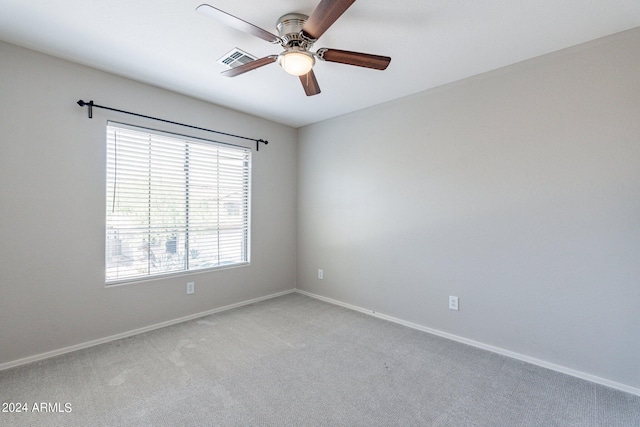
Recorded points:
(431, 42)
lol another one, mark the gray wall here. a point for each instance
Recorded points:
(52, 208)
(517, 190)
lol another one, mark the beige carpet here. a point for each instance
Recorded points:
(296, 361)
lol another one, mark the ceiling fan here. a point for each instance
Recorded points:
(296, 34)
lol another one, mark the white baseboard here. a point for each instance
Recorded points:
(42, 356)
(498, 350)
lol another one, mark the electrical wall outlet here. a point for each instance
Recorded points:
(191, 287)
(453, 303)
(320, 274)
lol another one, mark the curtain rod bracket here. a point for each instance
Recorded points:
(90, 106)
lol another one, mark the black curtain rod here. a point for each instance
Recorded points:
(90, 105)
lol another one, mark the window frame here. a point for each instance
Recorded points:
(187, 139)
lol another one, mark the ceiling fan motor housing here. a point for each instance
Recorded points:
(290, 29)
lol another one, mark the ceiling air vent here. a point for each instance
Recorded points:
(235, 58)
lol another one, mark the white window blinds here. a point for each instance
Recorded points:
(174, 204)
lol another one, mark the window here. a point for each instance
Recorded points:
(174, 204)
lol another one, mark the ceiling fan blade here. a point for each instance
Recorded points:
(323, 16)
(366, 60)
(241, 69)
(310, 84)
(237, 23)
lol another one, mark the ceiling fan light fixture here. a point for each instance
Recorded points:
(296, 62)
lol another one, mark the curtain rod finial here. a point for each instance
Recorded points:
(258, 141)
(90, 104)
